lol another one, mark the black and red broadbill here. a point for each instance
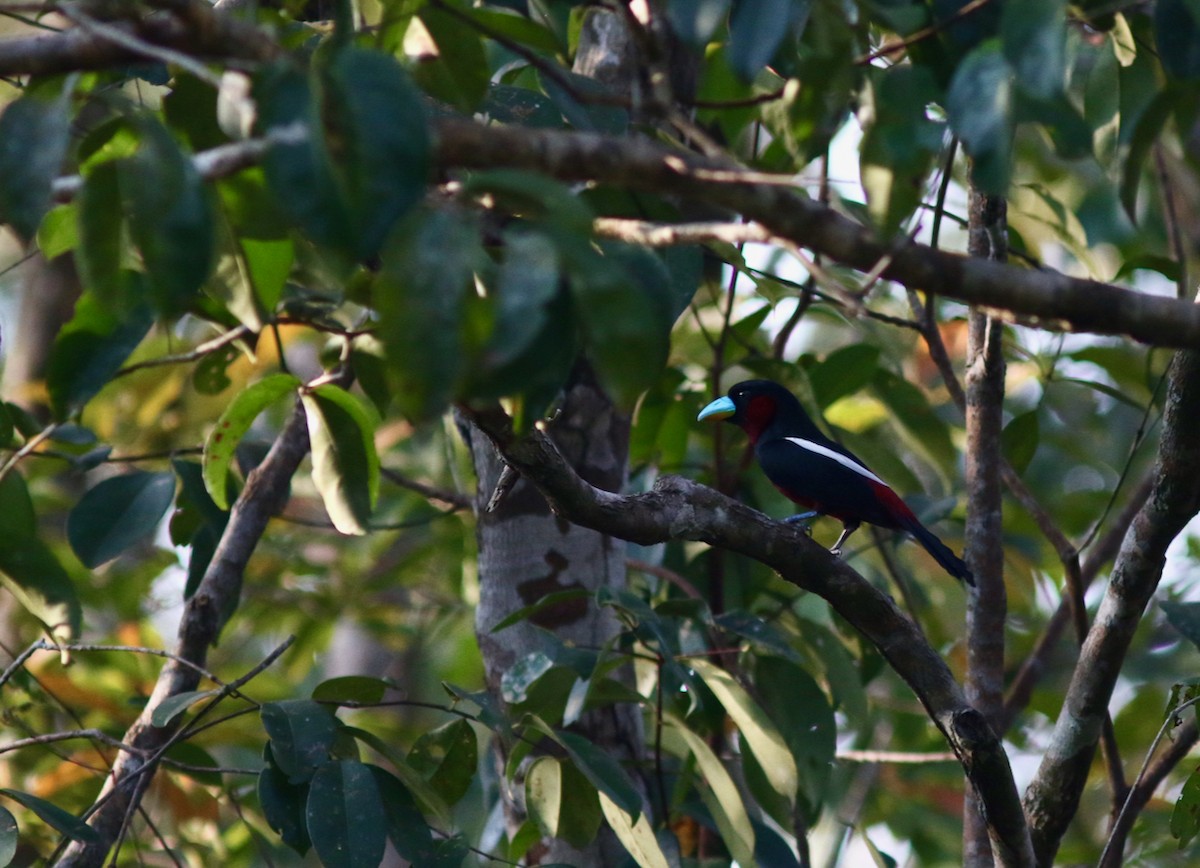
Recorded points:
(818, 473)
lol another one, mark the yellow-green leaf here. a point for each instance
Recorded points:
(758, 732)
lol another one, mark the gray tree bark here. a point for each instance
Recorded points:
(525, 553)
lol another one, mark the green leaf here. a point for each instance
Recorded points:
(633, 830)
(221, 444)
(99, 227)
(34, 133)
(301, 733)
(790, 693)
(420, 296)
(758, 632)
(453, 66)
(626, 299)
(843, 372)
(980, 108)
(1184, 617)
(1034, 35)
(600, 768)
(427, 798)
(721, 796)
(1019, 440)
(406, 827)
(90, 349)
(118, 513)
(527, 284)
(10, 837)
(551, 600)
(757, 730)
(516, 27)
(447, 758)
(583, 104)
(269, 262)
(59, 231)
(562, 802)
(380, 146)
(298, 167)
(899, 146)
(550, 204)
(521, 106)
(283, 804)
(1177, 37)
(756, 30)
(341, 429)
(1185, 819)
(695, 21)
(518, 678)
(345, 816)
(68, 824)
(170, 217)
(170, 708)
(29, 569)
(1146, 130)
(357, 689)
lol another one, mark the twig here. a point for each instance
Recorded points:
(30, 445)
(199, 352)
(922, 34)
(55, 737)
(665, 574)
(1120, 821)
(218, 162)
(445, 495)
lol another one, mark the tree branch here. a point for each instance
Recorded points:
(205, 615)
(204, 33)
(678, 509)
(987, 607)
(1053, 796)
(1042, 298)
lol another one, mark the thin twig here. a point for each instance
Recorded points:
(70, 735)
(922, 34)
(445, 495)
(198, 352)
(1126, 807)
(30, 445)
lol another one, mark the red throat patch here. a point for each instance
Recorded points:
(758, 415)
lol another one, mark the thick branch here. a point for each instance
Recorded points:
(678, 509)
(1053, 796)
(205, 34)
(205, 614)
(1041, 298)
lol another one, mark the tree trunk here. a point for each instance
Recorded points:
(525, 553)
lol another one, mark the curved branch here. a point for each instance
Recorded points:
(206, 613)
(1053, 796)
(678, 509)
(1042, 298)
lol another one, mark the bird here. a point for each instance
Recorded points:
(818, 473)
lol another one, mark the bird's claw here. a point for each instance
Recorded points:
(836, 551)
(801, 517)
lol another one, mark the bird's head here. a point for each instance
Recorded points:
(754, 405)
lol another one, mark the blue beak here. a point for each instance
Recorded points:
(722, 408)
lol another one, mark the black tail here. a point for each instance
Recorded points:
(941, 552)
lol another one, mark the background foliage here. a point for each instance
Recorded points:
(343, 265)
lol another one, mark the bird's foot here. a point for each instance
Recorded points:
(836, 551)
(801, 518)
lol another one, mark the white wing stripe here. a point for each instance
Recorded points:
(841, 459)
